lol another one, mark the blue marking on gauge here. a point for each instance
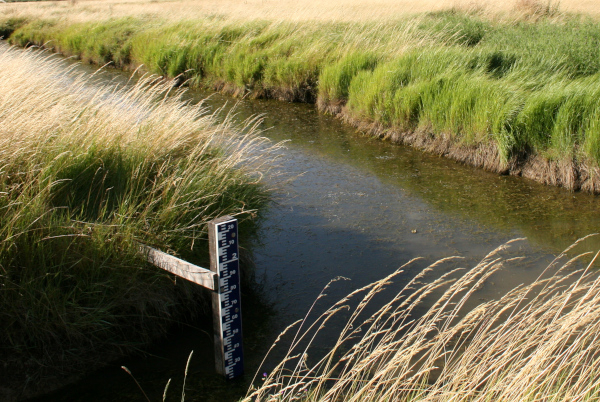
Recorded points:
(229, 295)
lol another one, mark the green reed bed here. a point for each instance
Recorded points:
(526, 85)
(86, 174)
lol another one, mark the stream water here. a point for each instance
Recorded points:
(356, 207)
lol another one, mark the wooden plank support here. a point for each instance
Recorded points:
(223, 279)
(227, 309)
(179, 267)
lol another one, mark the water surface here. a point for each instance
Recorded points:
(356, 207)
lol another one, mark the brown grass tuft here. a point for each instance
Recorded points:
(536, 9)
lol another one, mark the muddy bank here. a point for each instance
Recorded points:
(569, 174)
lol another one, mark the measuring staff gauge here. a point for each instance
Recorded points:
(228, 331)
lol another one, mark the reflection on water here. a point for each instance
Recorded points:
(358, 207)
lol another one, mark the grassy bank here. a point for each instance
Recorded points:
(514, 92)
(86, 173)
(434, 339)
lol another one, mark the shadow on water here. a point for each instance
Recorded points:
(359, 208)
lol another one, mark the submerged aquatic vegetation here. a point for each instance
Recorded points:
(432, 340)
(87, 172)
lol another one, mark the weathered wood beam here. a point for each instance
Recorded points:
(201, 276)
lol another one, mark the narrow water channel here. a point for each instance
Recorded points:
(356, 207)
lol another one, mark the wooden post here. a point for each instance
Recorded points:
(227, 309)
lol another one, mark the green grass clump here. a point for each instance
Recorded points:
(86, 175)
(335, 80)
(98, 43)
(9, 25)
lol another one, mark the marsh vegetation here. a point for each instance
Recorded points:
(512, 90)
(87, 173)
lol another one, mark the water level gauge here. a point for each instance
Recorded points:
(226, 302)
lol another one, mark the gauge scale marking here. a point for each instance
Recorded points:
(229, 306)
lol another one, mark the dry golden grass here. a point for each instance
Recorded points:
(285, 10)
(37, 111)
(538, 342)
